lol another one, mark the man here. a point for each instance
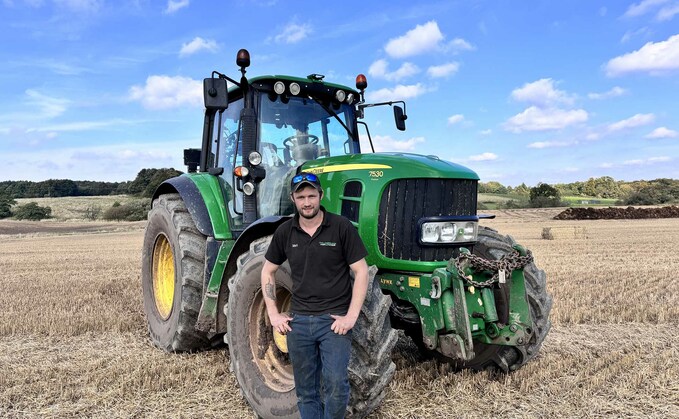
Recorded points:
(321, 248)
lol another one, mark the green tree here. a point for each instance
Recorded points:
(544, 195)
(148, 180)
(32, 211)
(6, 206)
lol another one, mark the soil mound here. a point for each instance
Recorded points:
(612, 213)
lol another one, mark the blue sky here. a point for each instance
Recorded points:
(531, 91)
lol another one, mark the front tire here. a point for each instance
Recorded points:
(493, 246)
(263, 369)
(172, 272)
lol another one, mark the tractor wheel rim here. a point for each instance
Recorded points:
(163, 277)
(269, 352)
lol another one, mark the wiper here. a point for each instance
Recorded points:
(334, 114)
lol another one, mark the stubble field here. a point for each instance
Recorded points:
(73, 337)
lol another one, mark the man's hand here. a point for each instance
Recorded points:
(343, 324)
(279, 322)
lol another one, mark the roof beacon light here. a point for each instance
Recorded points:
(361, 82)
(243, 58)
(295, 89)
(279, 88)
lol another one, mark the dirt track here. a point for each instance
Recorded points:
(73, 340)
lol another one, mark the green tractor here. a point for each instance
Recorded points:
(462, 292)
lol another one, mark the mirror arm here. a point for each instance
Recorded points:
(224, 76)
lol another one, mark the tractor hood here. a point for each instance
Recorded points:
(392, 166)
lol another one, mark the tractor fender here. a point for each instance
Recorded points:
(260, 228)
(193, 199)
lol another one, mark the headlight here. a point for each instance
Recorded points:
(248, 188)
(279, 87)
(340, 95)
(295, 89)
(255, 158)
(442, 232)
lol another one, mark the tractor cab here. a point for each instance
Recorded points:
(278, 123)
(297, 120)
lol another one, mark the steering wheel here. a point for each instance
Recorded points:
(288, 142)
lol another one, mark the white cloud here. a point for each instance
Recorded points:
(174, 5)
(537, 119)
(443, 70)
(380, 69)
(114, 162)
(632, 122)
(653, 58)
(198, 44)
(80, 6)
(84, 126)
(293, 33)
(662, 132)
(667, 13)
(421, 39)
(645, 162)
(386, 143)
(400, 92)
(614, 92)
(486, 132)
(643, 7)
(548, 144)
(631, 34)
(542, 93)
(454, 119)
(483, 157)
(459, 44)
(47, 106)
(164, 92)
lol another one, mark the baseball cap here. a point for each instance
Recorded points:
(305, 178)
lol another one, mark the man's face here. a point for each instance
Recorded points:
(307, 201)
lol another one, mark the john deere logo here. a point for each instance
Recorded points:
(329, 244)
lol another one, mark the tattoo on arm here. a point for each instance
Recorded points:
(270, 288)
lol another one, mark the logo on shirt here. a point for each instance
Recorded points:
(295, 245)
(328, 244)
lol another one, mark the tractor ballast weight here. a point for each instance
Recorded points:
(462, 292)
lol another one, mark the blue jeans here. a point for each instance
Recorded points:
(319, 356)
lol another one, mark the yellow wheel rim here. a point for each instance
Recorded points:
(163, 277)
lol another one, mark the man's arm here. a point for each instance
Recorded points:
(278, 320)
(345, 323)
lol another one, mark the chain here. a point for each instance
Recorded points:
(507, 263)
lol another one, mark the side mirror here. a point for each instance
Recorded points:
(400, 118)
(192, 159)
(215, 93)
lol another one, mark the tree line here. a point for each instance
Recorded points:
(143, 185)
(638, 192)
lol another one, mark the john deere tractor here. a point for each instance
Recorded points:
(462, 292)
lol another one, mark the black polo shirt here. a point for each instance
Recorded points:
(319, 264)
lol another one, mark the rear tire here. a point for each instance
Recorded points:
(264, 372)
(173, 262)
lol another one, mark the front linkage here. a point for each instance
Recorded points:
(471, 299)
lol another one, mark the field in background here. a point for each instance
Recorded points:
(76, 208)
(73, 338)
(583, 201)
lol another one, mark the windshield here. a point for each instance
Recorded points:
(292, 131)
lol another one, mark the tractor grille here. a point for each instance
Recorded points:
(405, 201)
